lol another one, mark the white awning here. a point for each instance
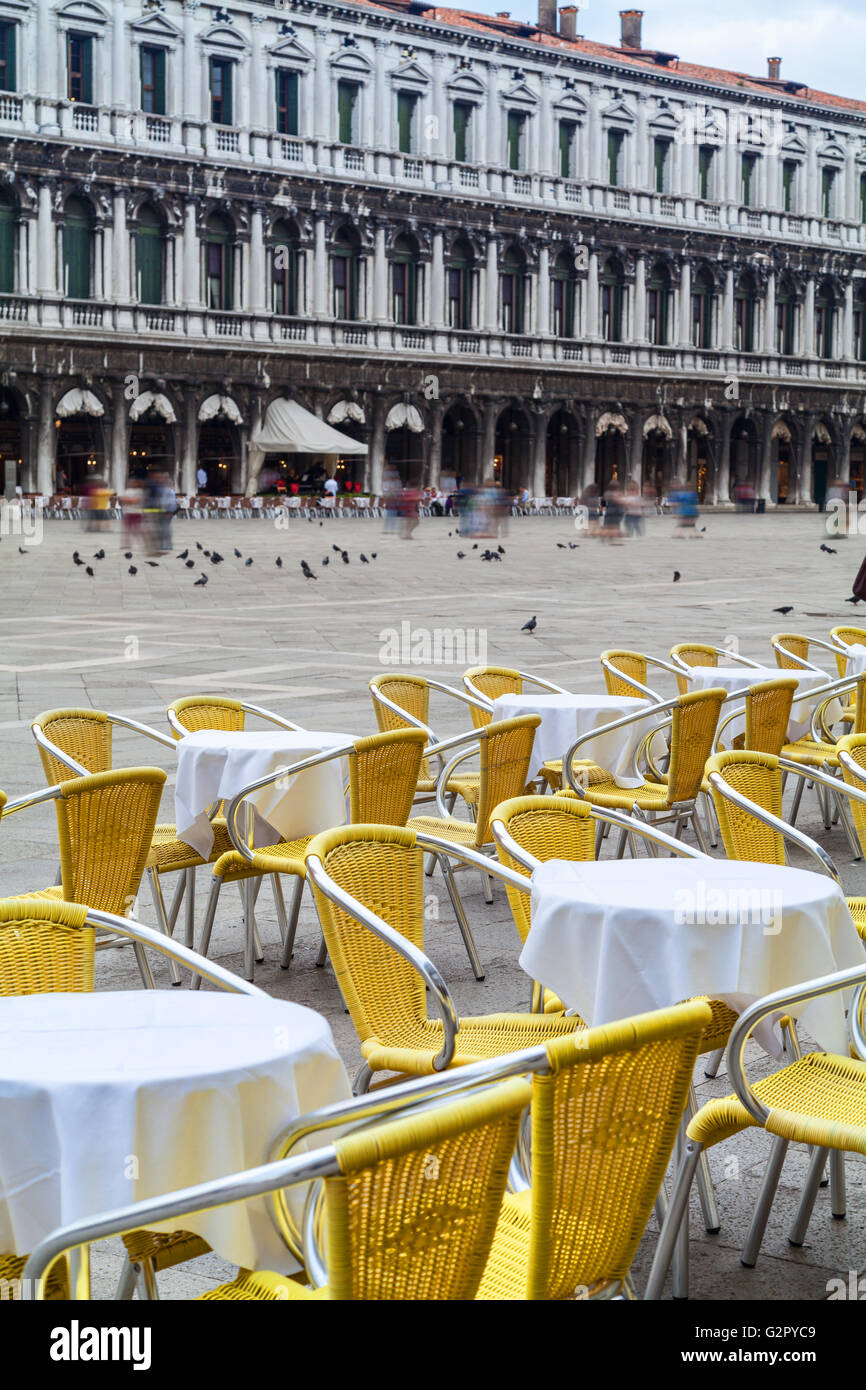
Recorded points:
(405, 417)
(346, 410)
(821, 433)
(858, 432)
(152, 399)
(78, 402)
(657, 423)
(698, 425)
(610, 421)
(220, 405)
(290, 429)
(780, 431)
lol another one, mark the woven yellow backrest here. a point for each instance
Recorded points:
(547, 827)
(768, 709)
(794, 643)
(383, 776)
(414, 1215)
(757, 776)
(855, 744)
(84, 734)
(860, 706)
(506, 751)
(381, 867)
(695, 654)
(631, 664)
(851, 637)
(45, 947)
(693, 731)
(105, 825)
(209, 712)
(491, 681)
(603, 1128)
(411, 693)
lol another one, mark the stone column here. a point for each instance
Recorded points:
(437, 281)
(542, 299)
(812, 206)
(484, 464)
(641, 152)
(380, 95)
(681, 454)
(437, 141)
(538, 485)
(843, 456)
(120, 248)
(639, 333)
(191, 77)
(590, 444)
(848, 323)
(376, 456)
(434, 456)
(320, 271)
(768, 343)
(809, 320)
(495, 155)
(119, 463)
(259, 78)
(324, 96)
(766, 488)
(685, 303)
(189, 464)
(547, 145)
(119, 57)
(257, 294)
(592, 297)
(728, 312)
(723, 472)
(192, 288)
(46, 273)
(805, 492)
(596, 133)
(46, 443)
(491, 316)
(635, 448)
(380, 277)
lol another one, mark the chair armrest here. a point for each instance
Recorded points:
(545, 685)
(444, 776)
(511, 847)
(781, 1001)
(138, 728)
(409, 719)
(487, 865)
(735, 656)
(477, 700)
(647, 832)
(606, 729)
(789, 832)
(273, 718)
(800, 661)
(281, 774)
(399, 943)
(77, 769)
(630, 680)
(23, 803)
(167, 946)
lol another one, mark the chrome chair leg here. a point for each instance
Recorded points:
(713, 1063)
(459, 913)
(176, 900)
(292, 927)
(837, 1184)
(161, 918)
(189, 925)
(710, 1211)
(249, 927)
(675, 1220)
(207, 926)
(148, 1279)
(126, 1286)
(279, 904)
(322, 957)
(797, 1233)
(798, 797)
(362, 1080)
(143, 965)
(751, 1249)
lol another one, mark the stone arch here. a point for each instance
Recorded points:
(512, 466)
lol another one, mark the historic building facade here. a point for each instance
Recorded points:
(480, 246)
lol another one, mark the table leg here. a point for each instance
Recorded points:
(79, 1273)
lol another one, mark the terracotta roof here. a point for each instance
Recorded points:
(642, 60)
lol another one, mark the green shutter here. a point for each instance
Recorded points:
(10, 32)
(159, 81)
(148, 264)
(228, 84)
(613, 146)
(660, 158)
(87, 71)
(76, 258)
(345, 109)
(405, 111)
(7, 247)
(287, 102)
(704, 157)
(461, 126)
(514, 129)
(565, 130)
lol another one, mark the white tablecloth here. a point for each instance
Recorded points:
(732, 678)
(565, 717)
(856, 661)
(214, 766)
(623, 936)
(107, 1099)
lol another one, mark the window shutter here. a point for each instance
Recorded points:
(292, 103)
(87, 71)
(159, 81)
(405, 109)
(7, 248)
(148, 257)
(10, 35)
(460, 128)
(228, 83)
(345, 103)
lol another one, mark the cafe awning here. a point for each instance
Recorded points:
(290, 429)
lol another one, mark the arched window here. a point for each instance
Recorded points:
(746, 299)
(346, 270)
(860, 324)
(77, 249)
(461, 281)
(563, 296)
(703, 300)
(285, 268)
(658, 304)
(218, 249)
(825, 321)
(149, 244)
(612, 286)
(7, 244)
(786, 319)
(512, 291)
(404, 280)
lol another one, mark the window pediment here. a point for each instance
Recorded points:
(349, 63)
(794, 147)
(410, 75)
(570, 106)
(618, 111)
(832, 151)
(221, 36)
(521, 94)
(464, 85)
(290, 50)
(157, 28)
(83, 12)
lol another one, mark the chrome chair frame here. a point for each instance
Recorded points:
(549, 686)
(684, 668)
(800, 660)
(630, 680)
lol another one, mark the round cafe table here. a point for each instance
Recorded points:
(566, 717)
(733, 678)
(214, 766)
(109, 1098)
(621, 937)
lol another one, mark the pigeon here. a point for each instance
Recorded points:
(449, 533)
(190, 564)
(828, 550)
(199, 546)
(132, 570)
(238, 554)
(676, 576)
(308, 573)
(338, 550)
(372, 554)
(183, 554)
(127, 554)
(461, 555)
(201, 581)
(572, 545)
(475, 547)
(22, 551)
(530, 626)
(279, 562)
(784, 611)
(852, 600)
(248, 562)
(501, 549)
(207, 554)
(364, 560)
(326, 561)
(100, 555)
(76, 559)
(561, 546)
(89, 571)
(703, 528)
(216, 558)
(321, 523)
(345, 557)
(154, 564)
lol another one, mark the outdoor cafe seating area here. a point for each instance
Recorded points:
(671, 920)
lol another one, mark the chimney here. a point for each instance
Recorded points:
(547, 15)
(568, 21)
(630, 34)
(774, 68)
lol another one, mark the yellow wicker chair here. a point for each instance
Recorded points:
(486, 683)
(686, 654)
(793, 651)
(368, 884)
(818, 1100)
(402, 701)
(744, 785)
(413, 1210)
(604, 1123)
(46, 947)
(842, 637)
(767, 713)
(505, 751)
(626, 672)
(383, 776)
(673, 795)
